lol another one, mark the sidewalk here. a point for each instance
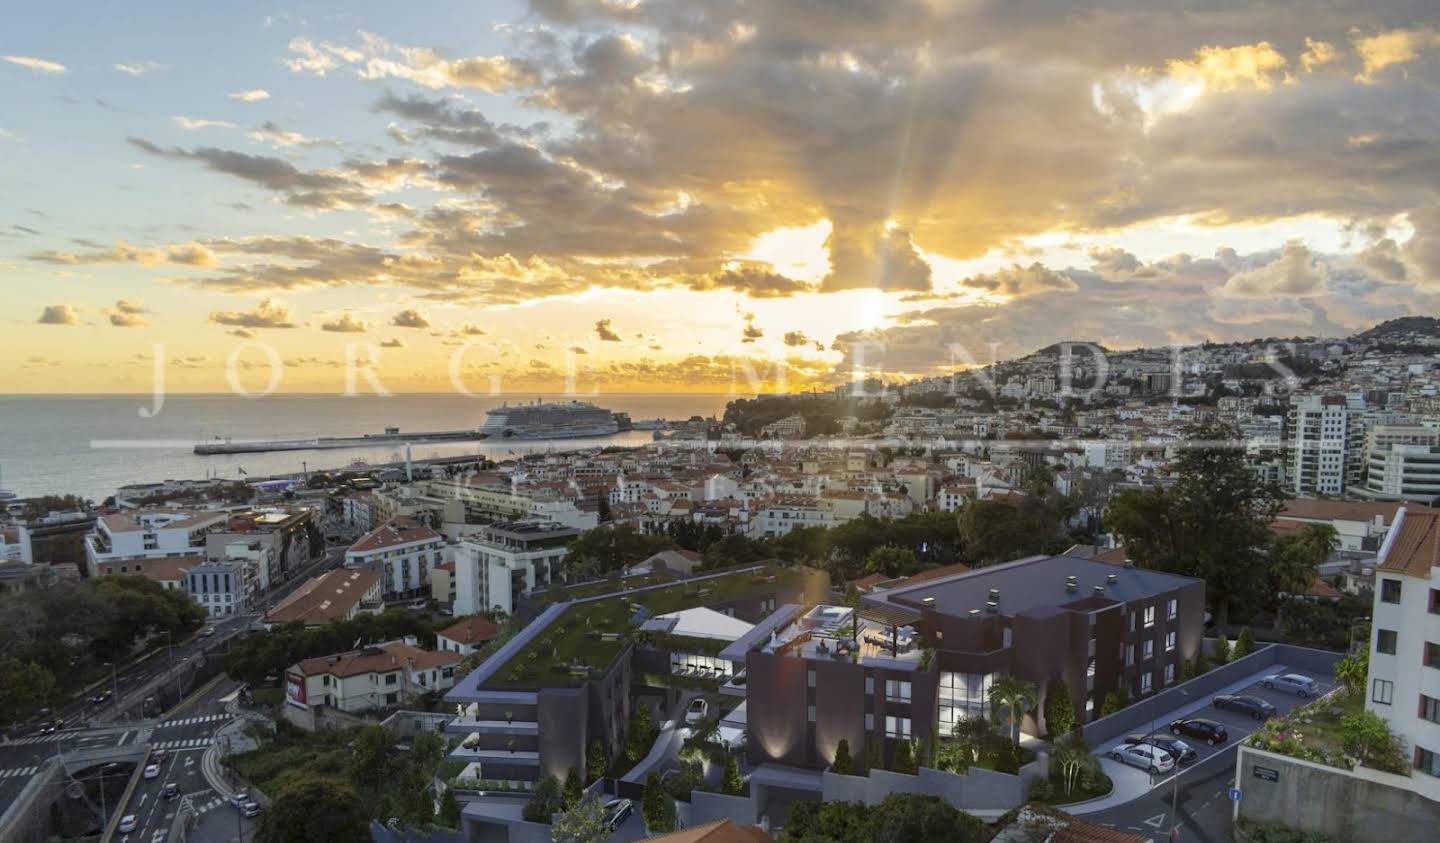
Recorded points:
(233, 738)
(1128, 786)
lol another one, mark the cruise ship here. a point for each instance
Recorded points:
(560, 420)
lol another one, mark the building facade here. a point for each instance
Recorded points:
(505, 560)
(1326, 436)
(1402, 463)
(404, 551)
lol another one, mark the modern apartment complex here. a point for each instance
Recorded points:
(1402, 463)
(404, 551)
(1326, 437)
(1404, 681)
(920, 657)
(122, 542)
(505, 560)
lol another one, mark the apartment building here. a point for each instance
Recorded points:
(282, 541)
(1404, 680)
(135, 542)
(505, 560)
(1402, 463)
(337, 595)
(923, 655)
(219, 588)
(780, 514)
(383, 676)
(1326, 437)
(404, 551)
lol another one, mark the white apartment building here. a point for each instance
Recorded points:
(1402, 463)
(505, 560)
(781, 514)
(219, 587)
(404, 551)
(382, 676)
(134, 539)
(1404, 680)
(1326, 435)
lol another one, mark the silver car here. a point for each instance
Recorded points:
(1300, 685)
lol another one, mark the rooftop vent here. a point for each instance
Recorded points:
(974, 612)
(1111, 578)
(1072, 586)
(929, 602)
(994, 594)
(992, 605)
(1099, 590)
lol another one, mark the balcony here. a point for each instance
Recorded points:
(471, 725)
(519, 757)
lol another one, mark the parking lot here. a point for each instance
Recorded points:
(1133, 782)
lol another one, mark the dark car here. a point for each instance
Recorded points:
(171, 790)
(1198, 727)
(617, 811)
(1253, 706)
(1176, 748)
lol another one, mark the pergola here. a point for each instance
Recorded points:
(890, 616)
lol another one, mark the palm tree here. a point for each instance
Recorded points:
(1016, 696)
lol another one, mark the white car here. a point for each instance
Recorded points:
(152, 771)
(1146, 757)
(127, 824)
(1298, 684)
(696, 712)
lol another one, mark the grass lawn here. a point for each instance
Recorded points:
(598, 631)
(597, 588)
(267, 696)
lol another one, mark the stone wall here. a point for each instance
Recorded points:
(1360, 805)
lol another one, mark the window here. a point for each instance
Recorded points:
(1149, 615)
(897, 727)
(869, 685)
(1435, 601)
(1147, 682)
(1169, 641)
(1169, 673)
(1149, 649)
(389, 679)
(1432, 655)
(1389, 591)
(869, 722)
(1132, 621)
(1427, 762)
(1129, 655)
(963, 696)
(1430, 708)
(1172, 608)
(810, 679)
(1385, 641)
(897, 691)
(810, 713)
(1382, 691)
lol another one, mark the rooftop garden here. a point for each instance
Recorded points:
(595, 588)
(1337, 731)
(588, 637)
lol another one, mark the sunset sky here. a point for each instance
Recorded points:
(659, 194)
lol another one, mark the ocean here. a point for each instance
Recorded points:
(92, 445)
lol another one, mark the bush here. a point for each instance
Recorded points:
(1040, 790)
(1221, 654)
(1244, 645)
(657, 807)
(1059, 709)
(1264, 833)
(733, 784)
(546, 801)
(904, 761)
(842, 763)
(1114, 701)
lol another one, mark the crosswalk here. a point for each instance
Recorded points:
(190, 721)
(212, 804)
(191, 743)
(18, 772)
(53, 736)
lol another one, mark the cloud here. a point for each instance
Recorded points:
(1388, 49)
(181, 254)
(313, 189)
(1317, 54)
(605, 332)
(345, 324)
(1296, 272)
(410, 318)
(579, 349)
(141, 68)
(395, 342)
(1017, 280)
(59, 314)
(376, 58)
(1230, 68)
(271, 133)
(797, 338)
(191, 124)
(268, 314)
(128, 313)
(471, 331)
(36, 64)
(252, 95)
(751, 332)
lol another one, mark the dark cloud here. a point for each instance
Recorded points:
(346, 323)
(59, 314)
(410, 318)
(605, 332)
(267, 314)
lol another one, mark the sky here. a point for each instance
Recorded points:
(697, 195)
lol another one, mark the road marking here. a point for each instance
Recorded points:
(123, 738)
(1155, 821)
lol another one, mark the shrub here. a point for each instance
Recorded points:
(733, 784)
(1059, 709)
(1040, 790)
(1244, 645)
(1114, 701)
(904, 761)
(1221, 654)
(657, 807)
(842, 763)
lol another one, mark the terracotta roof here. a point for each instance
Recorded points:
(328, 597)
(934, 573)
(1323, 590)
(159, 569)
(869, 581)
(1079, 831)
(1315, 509)
(472, 630)
(720, 831)
(1416, 548)
(396, 531)
(381, 658)
(1112, 555)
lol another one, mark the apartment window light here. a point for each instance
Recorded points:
(1149, 616)
(1429, 709)
(1147, 683)
(1169, 641)
(1172, 610)
(1149, 649)
(1432, 655)
(897, 727)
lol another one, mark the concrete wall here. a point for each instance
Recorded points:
(1138, 716)
(708, 807)
(1361, 805)
(976, 789)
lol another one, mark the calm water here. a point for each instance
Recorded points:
(60, 444)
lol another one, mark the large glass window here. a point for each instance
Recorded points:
(897, 690)
(963, 696)
(699, 664)
(897, 727)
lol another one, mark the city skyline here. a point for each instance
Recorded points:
(660, 194)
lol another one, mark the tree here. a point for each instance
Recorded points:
(573, 789)
(1221, 653)
(583, 822)
(1202, 662)
(891, 562)
(1212, 523)
(1367, 736)
(315, 810)
(1060, 715)
(1071, 755)
(904, 760)
(1016, 697)
(1244, 645)
(872, 753)
(449, 809)
(920, 818)
(596, 763)
(638, 737)
(657, 807)
(842, 763)
(24, 686)
(545, 801)
(1353, 670)
(1296, 558)
(973, 736)
(1114, 701)
(604, 549)
(733, 784)
(370, 755)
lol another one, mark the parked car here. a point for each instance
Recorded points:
(1253, 706)
(1144, 756)
(152, 771)
(250, 809)
(127, 824)
(1298, 684)
(1198, 727)
(171, 790)
(617, 811)
(1177, 749)
(696, 712)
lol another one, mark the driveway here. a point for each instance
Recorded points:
(1133, 783)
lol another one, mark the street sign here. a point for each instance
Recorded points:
(1268, 774)
(1235, 794)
